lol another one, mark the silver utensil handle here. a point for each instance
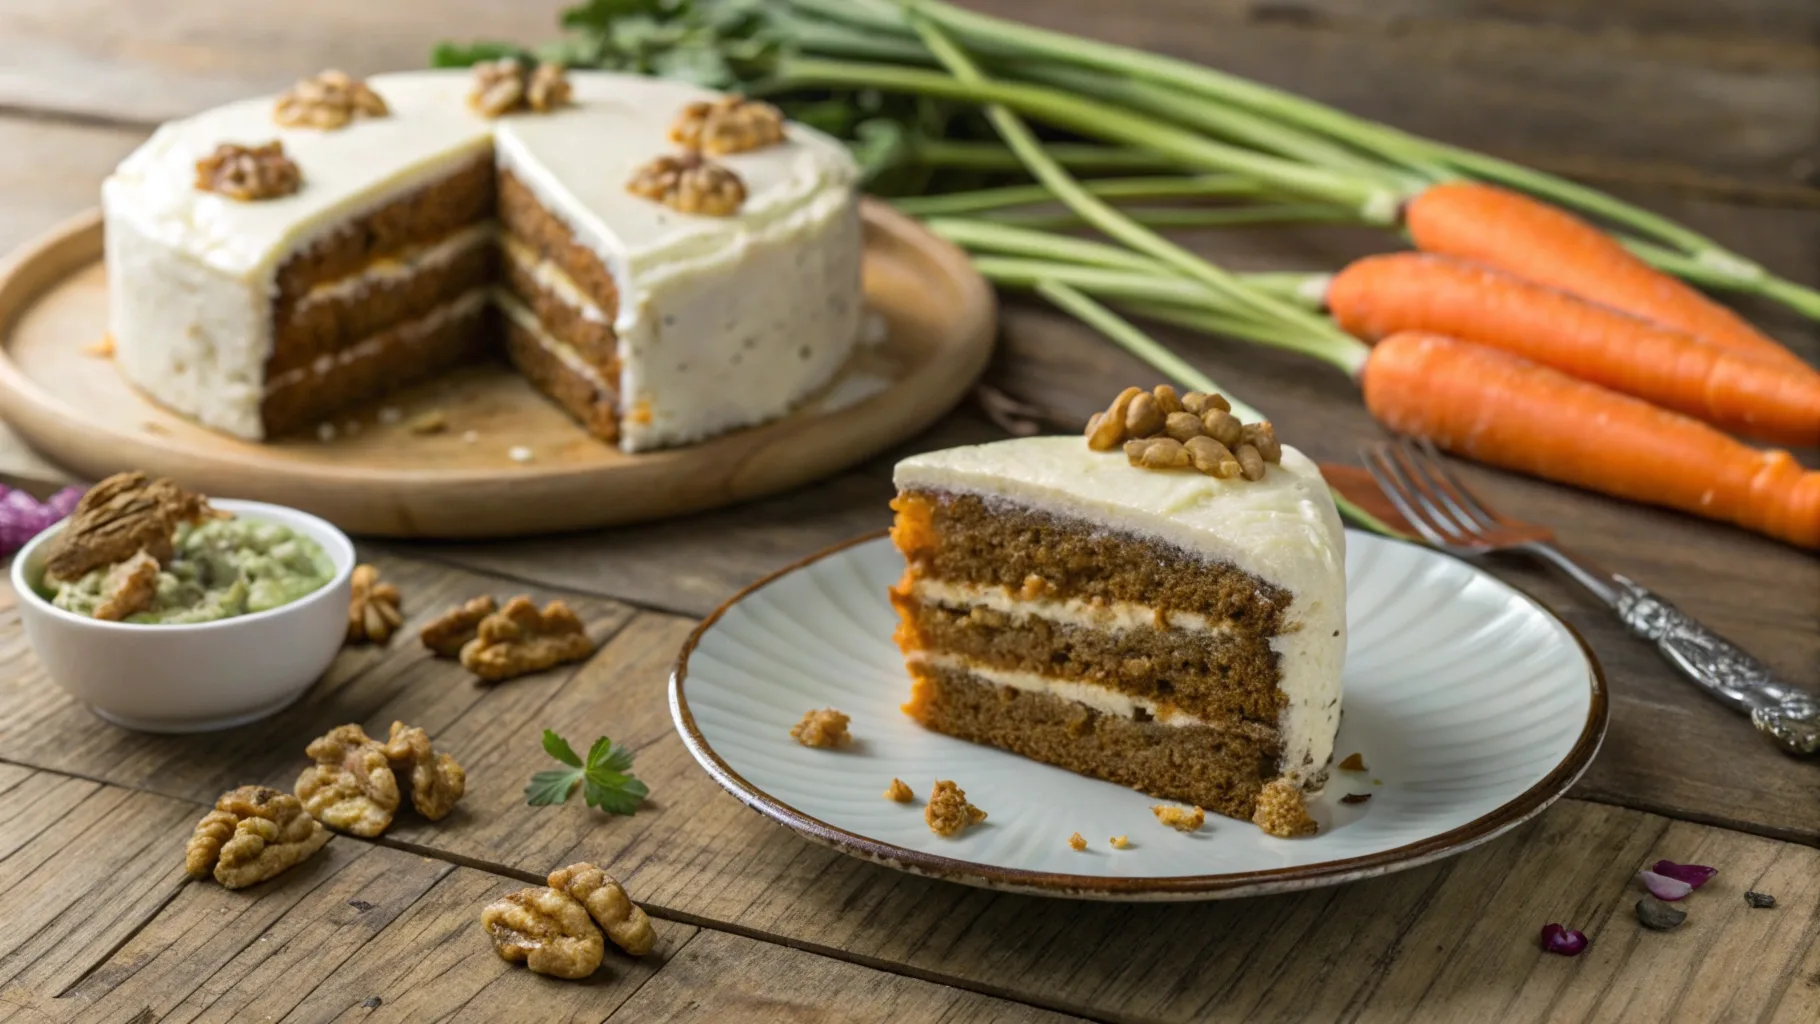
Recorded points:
(1790, 718)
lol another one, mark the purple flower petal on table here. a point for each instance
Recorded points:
(1663, 887)
(23, 517)
(1565, 941)
(1695, 875)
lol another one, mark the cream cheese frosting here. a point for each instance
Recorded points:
(1283, 529)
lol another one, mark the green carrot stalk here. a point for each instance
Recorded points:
(1188, 216)
(1076, 156)
(1206, 186)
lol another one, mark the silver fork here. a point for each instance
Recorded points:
(1416, 480)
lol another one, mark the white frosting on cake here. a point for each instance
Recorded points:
(1283, 529)
(723, 321)
(1100, 698)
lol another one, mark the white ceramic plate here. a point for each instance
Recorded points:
(1473, 706)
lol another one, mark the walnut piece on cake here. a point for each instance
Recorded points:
(547, 930)
(607, 903)
(519, 639)
(351, 787)
(248, 173)
(448, 633)
(128, 587)
(948, 812)
(327, 100)
(1282, 810)
(373, 607)
(120, 517)
(253, 833)
(730, 124)
(690, 183)
(1161, 430)
(823, 728)
(899, 792)
(1182, 819)
(437, 782)
(508, 85)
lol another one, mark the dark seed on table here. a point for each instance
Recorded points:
(1658, 915)
(1355, 798)
(373, 1002)
(361, 905)
(1760, 900)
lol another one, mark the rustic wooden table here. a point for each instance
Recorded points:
(1708, 113)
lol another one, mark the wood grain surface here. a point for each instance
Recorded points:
(1707, 113)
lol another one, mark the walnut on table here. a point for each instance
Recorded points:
(948, 813)
(351, 787)
(374, 611)
(327, 100)
(447, 634)
(248, 173)
(519, 639)
(253, 833)
(689, 183)
(824, 728)
(121, 516)
(547, 930)
(624, 921)
(730, 124)
(128, 587)
(437, 782)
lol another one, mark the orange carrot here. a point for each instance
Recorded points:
(1411, 291)
(1507, 411)
(1550, 246)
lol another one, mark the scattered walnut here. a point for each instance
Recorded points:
(248, 173)
(607, 903)
(128, 587)
(824, 728)
(507, 85)
(1077, 843)
(948, 811)
(437, 782)
(1180, 819)
(546, 930)
(252, 834)
(518, 639)
(351, 787)
(899, 791)
(1354, 762)
(447, 634)
(1119, 842)
(731, 124)
(119, 517)
(327, 100)
(1282, 810)
(691, 184)
(1162, 431)
(373, 612)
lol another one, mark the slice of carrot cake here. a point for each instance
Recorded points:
(1172, 621)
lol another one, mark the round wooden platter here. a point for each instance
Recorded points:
(377, 477)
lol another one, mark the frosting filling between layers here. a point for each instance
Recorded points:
(389, 269)
(1099, 698)
(521, 315)
(1071, 611)
(466, 305)
(553, 279)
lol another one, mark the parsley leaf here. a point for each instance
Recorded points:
(606, 777)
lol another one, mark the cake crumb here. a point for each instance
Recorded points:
(519, 453)
(1076, 843)
(390, 414)
(325, 432)
(824, 728)
(1119, 842)
(1355, 762)
(899, 791)
(948, 812)
(1180, 819)
(433, 421)
(1282, 811)
(103, 349)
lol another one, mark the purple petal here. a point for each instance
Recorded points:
(1663, 887)
(1565, 941)
(1695, 875)
(23, 517)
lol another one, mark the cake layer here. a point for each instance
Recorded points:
(559, 371)
(547, 240)
(1209, 674)
(1215, 769)
(564, 312)
(405, 353)
(388, 291)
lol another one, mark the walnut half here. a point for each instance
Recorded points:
(731, 124)
(690, 183)
(373, 607)
(623, 921)
(546, 930)
(437, 782)
(447, 634)
(351, 787)
(519, 639)
(253, 833)
(327, 100)
(508, 85)
(248, 173)
(119, 517)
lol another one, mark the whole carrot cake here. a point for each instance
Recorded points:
(663, 262)
(1174, 622)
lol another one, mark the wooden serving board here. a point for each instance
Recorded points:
(376, 477)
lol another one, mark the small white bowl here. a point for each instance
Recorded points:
(193, 677)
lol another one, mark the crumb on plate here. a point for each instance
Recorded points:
(823, 728)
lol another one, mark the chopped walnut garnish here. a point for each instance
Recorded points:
(373, 608)
(607, 903)
(1077, 843)
(507, 85)
(518, 639)
(450, 632)
(1159, 430)
(948, 812)
(327, 100)
(824, 728)
(691, 184)
(248, 173)
(546, 930)
(1282, 810)
(1354, 762)
(351, 787)
(1119, 842)
(128, 587)
(119, 517)
(731, 124)
(899, 791)
(1179, 818)
(252, 834)
(437, 782)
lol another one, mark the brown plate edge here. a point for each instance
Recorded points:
(1483, 829)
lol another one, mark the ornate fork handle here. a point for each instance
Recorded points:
(1789, 717)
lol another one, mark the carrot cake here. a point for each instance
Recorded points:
(1177, 631)
(664, 263)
